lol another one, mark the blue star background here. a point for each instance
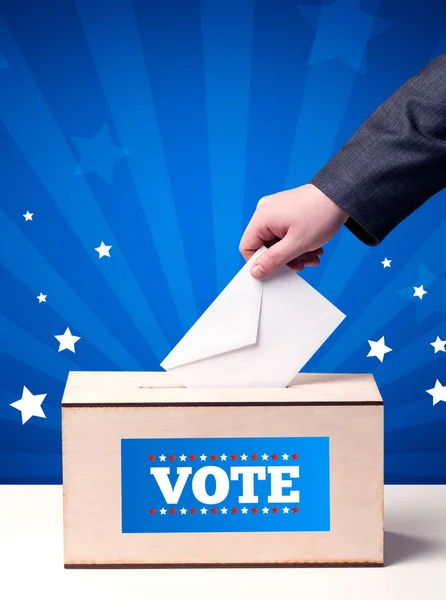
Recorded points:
(156, 126)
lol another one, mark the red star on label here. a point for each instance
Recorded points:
(275, 510)
(254, 456)
(274, 457)
(214, 511)
(295, 456)
(172, 511)
(254, 510)
(295, 509)
(172, 457)
(214, 457)
(234, 457)
(152, 511)
(193, 511)
(192, 457)
(152, 457)
(234, 510)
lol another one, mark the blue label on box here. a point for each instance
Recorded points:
(225, 484)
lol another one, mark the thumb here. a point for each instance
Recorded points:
(275, 257)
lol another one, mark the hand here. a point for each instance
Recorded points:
(302, 219)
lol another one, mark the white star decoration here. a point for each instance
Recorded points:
(183, 457)
(29, 405)
(162, 458)
(223, 457)
(264, 456)
(378, 349)
(28, 216)
(103, 250)
(203, 457)
(386, 262)
(41, 298)
(419, 292)
(438, 392)
(439, 345)
(224, 511)
(244, 456)
(285, 456)
(67, 340)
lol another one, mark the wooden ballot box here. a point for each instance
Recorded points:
(158, 475)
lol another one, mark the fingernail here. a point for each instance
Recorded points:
(257, 272)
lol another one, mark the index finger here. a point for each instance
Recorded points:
(254, 236)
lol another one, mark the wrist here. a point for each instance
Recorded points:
(329, 204)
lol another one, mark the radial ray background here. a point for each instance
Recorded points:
(155, 126)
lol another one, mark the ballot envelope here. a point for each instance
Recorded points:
(257, 333)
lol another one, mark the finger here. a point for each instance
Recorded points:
(275, 257)
(296, 265)
(299, 263)
(255, 235)
(307, 257)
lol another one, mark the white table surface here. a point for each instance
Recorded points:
(31, 559)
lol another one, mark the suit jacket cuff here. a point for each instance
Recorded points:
(365, 225)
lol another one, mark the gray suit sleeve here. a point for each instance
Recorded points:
(395, 161)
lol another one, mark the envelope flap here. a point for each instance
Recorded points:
(230, 322)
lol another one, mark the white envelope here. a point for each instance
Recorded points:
(255, 333)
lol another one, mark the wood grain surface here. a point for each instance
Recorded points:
(92, 470)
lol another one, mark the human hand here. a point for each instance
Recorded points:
(302, 219)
